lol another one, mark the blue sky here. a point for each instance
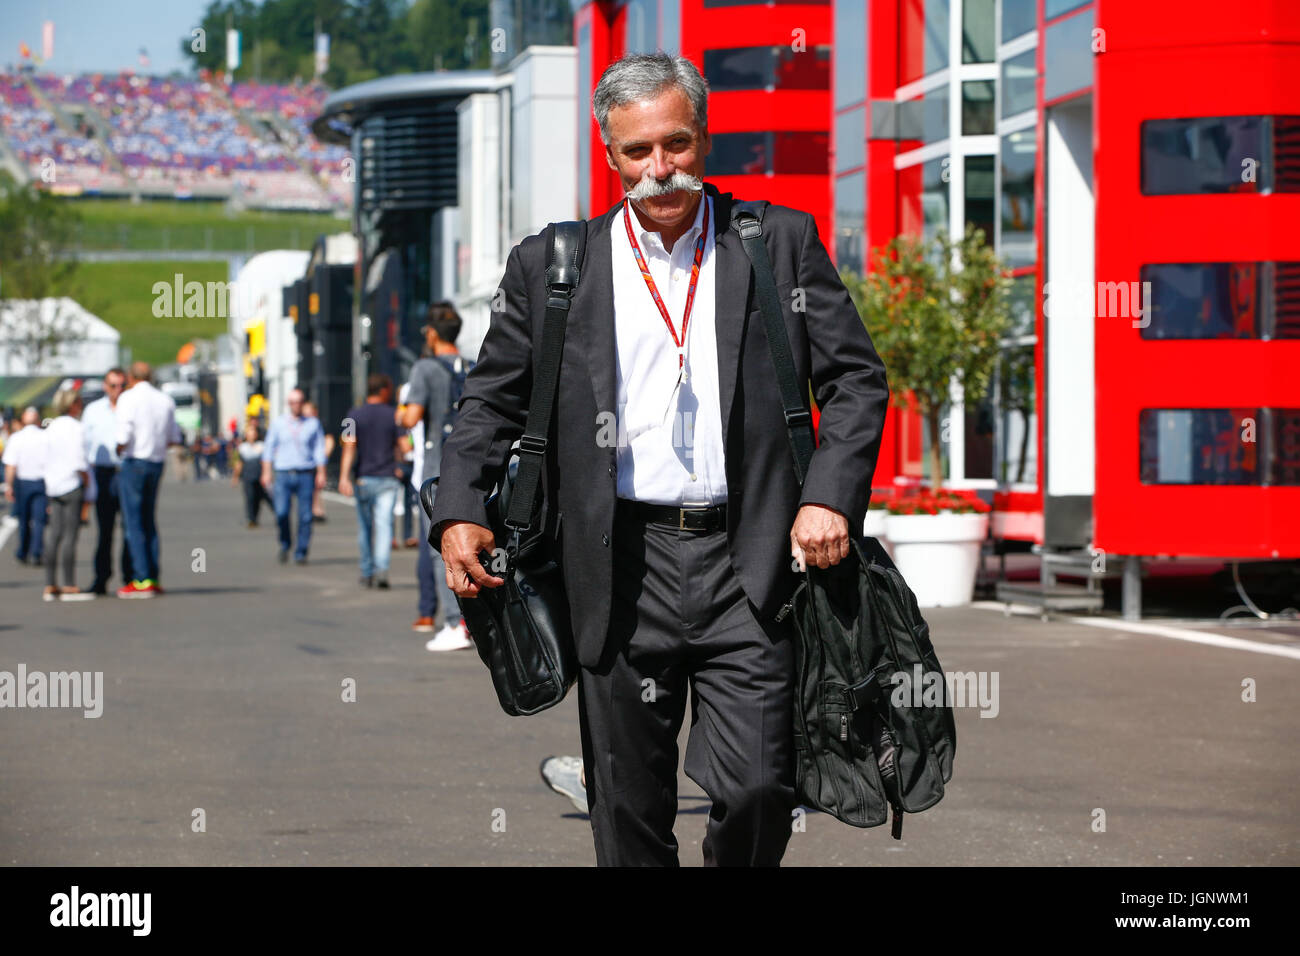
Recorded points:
(101, 35)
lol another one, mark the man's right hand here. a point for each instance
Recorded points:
(461, 543)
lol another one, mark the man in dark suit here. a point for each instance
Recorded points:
(669, 484)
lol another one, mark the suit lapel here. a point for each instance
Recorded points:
(731, 281)
(593, 310)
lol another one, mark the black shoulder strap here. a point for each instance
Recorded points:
(747, 219)
(566, 245)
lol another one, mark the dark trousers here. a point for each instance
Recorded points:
(107, 508)
(30, 505)
(681, 623)
(138, 493)
(254, 494)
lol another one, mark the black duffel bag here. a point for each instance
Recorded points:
(866, 738)
(522, 629)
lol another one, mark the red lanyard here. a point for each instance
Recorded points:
(650, 282)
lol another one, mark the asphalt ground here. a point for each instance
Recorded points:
(226, 696)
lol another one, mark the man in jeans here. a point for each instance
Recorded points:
(24, 461)
(370, 441)
(295, 453)
(146, 425)
(99, 423)
(428, 414)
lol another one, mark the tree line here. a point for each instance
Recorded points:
(368, 38)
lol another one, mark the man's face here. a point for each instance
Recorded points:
(652, 140)
(295, 403)
(113, 385)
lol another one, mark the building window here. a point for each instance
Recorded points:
(923, 38)
(797, 152)
(767, 68)
(850, 221)
(1067, 57)
(670, 27)
(1019, 81)
(1283, 447)
(850, 139)
(977, 40)
(1054, 8)
(1018, 18)
(1199, 446)
(1014, 400)
(710, 4)
(977, 111)
(1222, 300)
(980, 201)
(934, 114)
(923, 194)
(641, 26)
(1016, 243)
(1220, 154)
(850, 52)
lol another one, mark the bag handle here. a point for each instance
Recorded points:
(747, 220)
(566, 245)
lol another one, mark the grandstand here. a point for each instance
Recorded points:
(171, 138)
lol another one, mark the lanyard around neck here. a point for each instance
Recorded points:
(650, 282)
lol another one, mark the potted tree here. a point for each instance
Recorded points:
(937, 311)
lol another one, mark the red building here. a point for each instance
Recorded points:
(1134, 164)
(768, 68)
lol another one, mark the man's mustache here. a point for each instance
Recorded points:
(649, 186)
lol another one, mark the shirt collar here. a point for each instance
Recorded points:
(646, 237)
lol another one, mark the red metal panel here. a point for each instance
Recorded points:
(1214, 65)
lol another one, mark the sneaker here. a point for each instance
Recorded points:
(366, 582)
(51, 594)
(450, 639)
(284, 556)
(300, 559)
(138, 589)
(74, 593)
(564, 776)
(381, 582)
(412, 543)
(423, 625)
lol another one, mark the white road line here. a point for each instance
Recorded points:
(7, 528)
(336, 497)
(1162, 630)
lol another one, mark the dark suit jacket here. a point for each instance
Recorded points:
(831, 349)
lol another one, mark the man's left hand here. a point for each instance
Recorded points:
(820, 537)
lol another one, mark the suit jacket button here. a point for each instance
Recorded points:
(604, 539)
(611, 471)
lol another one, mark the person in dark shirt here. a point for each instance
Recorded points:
(370, 442)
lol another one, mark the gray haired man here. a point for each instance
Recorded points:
(677, 539)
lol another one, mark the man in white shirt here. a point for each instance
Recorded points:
(146, 426)
(99, 422)
(24, 461)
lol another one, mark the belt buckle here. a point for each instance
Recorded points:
(681, 520)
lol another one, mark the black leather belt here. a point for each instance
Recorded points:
(713, 518)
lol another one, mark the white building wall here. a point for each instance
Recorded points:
(518, 171)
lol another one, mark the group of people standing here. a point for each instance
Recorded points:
(108, 454)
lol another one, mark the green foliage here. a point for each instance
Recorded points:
(368, 38)
(936, 311)
(37, 232)
(121, 293)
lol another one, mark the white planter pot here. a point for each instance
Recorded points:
(874, 527)
(938, 555)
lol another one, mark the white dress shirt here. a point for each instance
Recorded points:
(65, 456)
(669, 434)
(146, 422)
(25, 450)
(99, 423)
